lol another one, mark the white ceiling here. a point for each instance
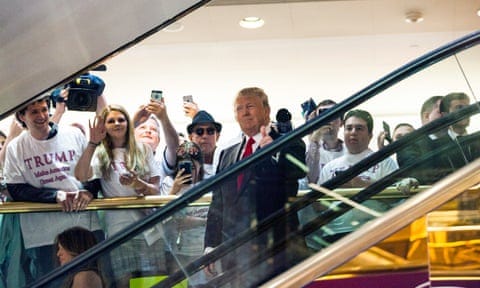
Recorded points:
(312, 19)
(319, 49)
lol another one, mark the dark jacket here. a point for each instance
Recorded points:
(444, 156)
(266, 187)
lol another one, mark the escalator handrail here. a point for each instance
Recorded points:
(364, 164)
(320, 220)
(329, 115)
(375, 231)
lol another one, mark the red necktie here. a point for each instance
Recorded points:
(248, 151)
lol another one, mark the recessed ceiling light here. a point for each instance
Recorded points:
(252, 22)
(478, 12)
(174, 27)
(413, 17)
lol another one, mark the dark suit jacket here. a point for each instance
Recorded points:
(266, 188)
(447, 155)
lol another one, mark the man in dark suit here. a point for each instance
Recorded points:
(264, 188)
(449, 150)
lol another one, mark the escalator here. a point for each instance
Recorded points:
(342, 230)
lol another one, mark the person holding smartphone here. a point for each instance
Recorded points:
(125, 167)
(400, 130)
(147, 121)
(186, 233)
(189, 107)
(324, 144)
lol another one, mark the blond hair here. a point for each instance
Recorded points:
(136, 152)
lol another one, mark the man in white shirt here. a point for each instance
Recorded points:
(357, 135)
(40, 167)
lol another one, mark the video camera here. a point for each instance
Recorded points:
(283, 125)
(83, 92)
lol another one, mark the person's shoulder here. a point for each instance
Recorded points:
(22, 137)
(69, 129)
(88, 278)
(230, 148)
(469, 137)
(70, 132)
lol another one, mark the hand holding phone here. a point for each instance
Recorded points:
(156, 95)
(187, 169)
(188, 98)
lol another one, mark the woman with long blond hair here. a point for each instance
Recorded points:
(125, 168)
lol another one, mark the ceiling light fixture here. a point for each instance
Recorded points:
(252, 22)
(413, 17)
(478, 12)
(174, 27)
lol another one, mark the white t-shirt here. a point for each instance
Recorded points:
(354, 218)
(346, 161)
(161, 160)
(327, 155)
(48, 164)
(116, 220)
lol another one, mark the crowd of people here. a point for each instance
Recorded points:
(117, 156)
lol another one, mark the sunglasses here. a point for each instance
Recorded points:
(209, 130)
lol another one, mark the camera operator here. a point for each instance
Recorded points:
(283, 125)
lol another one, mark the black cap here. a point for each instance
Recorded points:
(203, 117)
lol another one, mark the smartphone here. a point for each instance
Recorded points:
(188, 98)
(386, 129)
(187, 166)
(308, 107)
(156, 95)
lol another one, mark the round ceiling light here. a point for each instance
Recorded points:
(413, 17)
(252, 22)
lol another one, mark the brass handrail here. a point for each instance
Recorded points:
(157, 200)
(98, 204)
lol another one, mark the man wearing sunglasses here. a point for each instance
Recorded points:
(205, 131)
